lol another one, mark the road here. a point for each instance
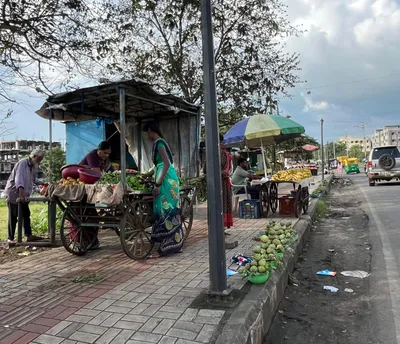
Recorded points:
(364, 231)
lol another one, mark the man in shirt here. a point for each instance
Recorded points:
(19, 187)
(241, 176)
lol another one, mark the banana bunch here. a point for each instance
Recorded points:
(70, 181)
(293, 175)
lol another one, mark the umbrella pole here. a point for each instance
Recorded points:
(263, 156)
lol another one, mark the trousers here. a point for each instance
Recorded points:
(13, 219)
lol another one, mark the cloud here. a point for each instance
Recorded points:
(349, 60)
(310, 105)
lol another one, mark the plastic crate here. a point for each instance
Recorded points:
(286, 205)
(250, 209)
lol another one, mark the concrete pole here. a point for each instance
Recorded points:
(216, 239)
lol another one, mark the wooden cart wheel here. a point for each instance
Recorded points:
(264, 201)
(273, 197)
(306, 199)
(298, 203)
(75, 238)
(135, 230)
(186, 215)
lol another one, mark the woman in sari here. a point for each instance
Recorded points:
(226, 162)
(167, 226)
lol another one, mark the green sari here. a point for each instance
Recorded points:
(167, 226)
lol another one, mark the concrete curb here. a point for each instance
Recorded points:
(251, 320)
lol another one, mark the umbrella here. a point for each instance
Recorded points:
(262, 130)
(310, 148)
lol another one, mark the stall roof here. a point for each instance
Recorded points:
(142, 102)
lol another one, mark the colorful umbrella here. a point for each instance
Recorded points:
(259, 130)
(310, 148)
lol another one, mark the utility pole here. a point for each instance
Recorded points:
(322, 151)
(334, 149)
(365, 141)
(216, 237)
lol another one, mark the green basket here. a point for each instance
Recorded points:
(259, 279)
(279, 255)
(273, 264)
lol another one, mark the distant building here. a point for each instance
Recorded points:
(12, 151)
(351, 141)
(388, 136)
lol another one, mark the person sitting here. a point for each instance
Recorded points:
(241, 176)
(99, 159)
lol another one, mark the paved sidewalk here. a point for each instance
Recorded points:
(42, 301)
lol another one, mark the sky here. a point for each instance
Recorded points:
(349, 54)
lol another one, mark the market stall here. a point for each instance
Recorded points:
(260, 131)
(92, 202)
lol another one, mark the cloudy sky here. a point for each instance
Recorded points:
(350, 55)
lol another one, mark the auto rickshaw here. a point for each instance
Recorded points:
(342, 159)
(351, 166)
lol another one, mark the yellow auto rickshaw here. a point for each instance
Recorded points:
(351, 166)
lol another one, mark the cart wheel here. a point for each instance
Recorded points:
(186, 215)
(306, 199)
(298, 203)
(76, 239)
(273, 197)
(264, 200)
(135, 230)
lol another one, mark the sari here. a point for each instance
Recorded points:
(167, 225)
(226, 161)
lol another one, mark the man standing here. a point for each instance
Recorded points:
(241, 176)
(20, 186)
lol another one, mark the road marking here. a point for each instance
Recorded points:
(391, 267)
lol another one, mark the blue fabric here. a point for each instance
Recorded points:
(237, 132)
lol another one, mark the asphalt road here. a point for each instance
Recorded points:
(364, 230)
(382, 205)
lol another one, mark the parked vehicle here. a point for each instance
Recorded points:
(351, 166)
(384, 164)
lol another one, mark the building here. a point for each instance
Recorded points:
(351, 141)
(388, 136)
(12, 151)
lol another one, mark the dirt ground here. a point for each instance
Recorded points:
(310, 314)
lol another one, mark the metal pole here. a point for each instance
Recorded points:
(365, 142)
(122, 128)
(51, 146)
(216, 240)
(334, 150)
(322, 150)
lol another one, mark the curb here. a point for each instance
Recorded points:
(250, 321)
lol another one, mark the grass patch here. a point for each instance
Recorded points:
(90, 278)
(39, 218)
(321, 208)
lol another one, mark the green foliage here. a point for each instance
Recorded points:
(39, 221)
(57, 159)
(356, 151)
(297, 144)
(321, 208)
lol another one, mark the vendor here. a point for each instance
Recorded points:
(99, 159)
(241, 176)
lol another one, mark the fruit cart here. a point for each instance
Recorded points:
(88, 208)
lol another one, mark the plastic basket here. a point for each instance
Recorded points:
(259, 279)
(250, 209)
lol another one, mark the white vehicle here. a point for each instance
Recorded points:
(384, 164)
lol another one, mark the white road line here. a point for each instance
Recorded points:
(391, 267)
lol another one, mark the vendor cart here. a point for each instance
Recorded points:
(300, 192)
(128, 212)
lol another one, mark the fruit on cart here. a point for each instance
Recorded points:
(254, 269)
(262, 262)
(292, 175)
(276, 242)
(253, 263)
(280, 248)
(264, 246)
(257, 257)
(270, 250)
(70, 181)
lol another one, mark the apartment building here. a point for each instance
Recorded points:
(388, 136)
(351, 141)
(12, 151)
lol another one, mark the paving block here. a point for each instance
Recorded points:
(112, 320)
(93, 329)
(99, 319)
(46, 339)
(127, 325)
(135, 318)
(146, 337)
(55, 330)
(122, 337)
(206, 333)
(184, 334)
(108, 336)
(164, 326)
(167, 340)
(189, 326)
(84, 337)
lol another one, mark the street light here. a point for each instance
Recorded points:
(362, 126)
(216, 239)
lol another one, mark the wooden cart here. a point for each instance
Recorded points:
(131, 220)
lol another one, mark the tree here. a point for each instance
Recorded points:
(356, 151)
(164, 47)
(41, 41)
(331, 152)
(57, 158)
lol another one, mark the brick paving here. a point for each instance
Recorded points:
(133, 302)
